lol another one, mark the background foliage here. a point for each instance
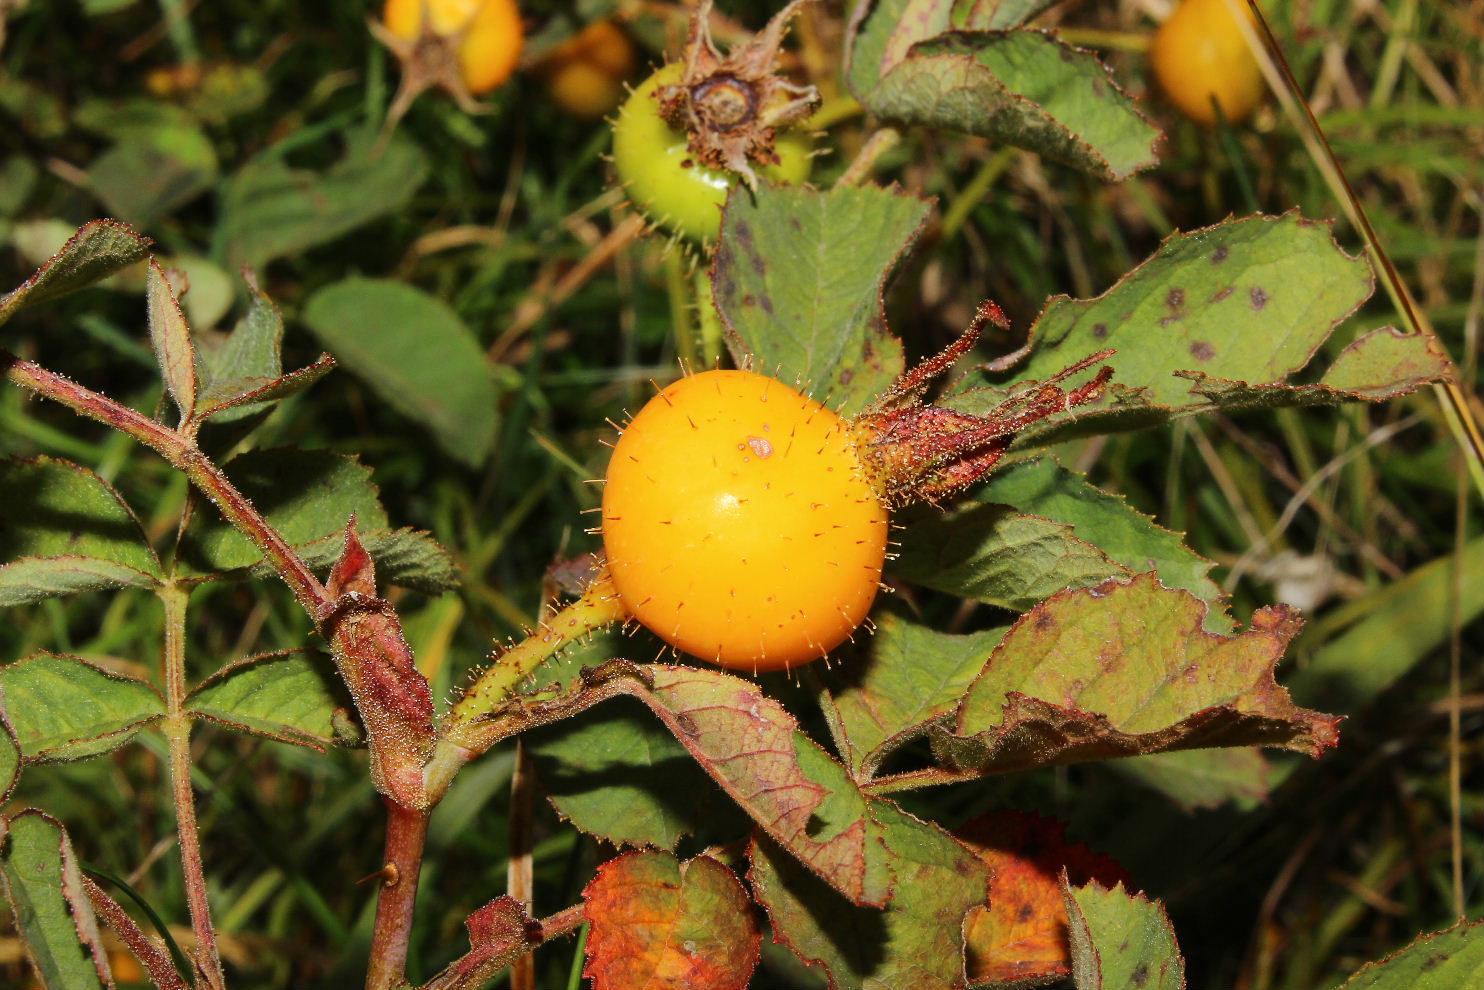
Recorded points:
(239, 133)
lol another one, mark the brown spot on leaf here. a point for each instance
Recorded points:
(1175, 299)
(1100, 330)
(1259, 298)
(1220, 254)
(1140, 976)
(1202, 350)
(1044, 621)
(1223, 294)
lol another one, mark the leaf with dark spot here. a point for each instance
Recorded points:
(1119, 940)
(1020, 934)
(818, 318)
(1445, 960)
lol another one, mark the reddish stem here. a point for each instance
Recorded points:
(181, 452)
(406, 832)
(161, 970)
(564, 921)
(177, 729)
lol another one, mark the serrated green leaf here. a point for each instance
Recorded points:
(915, 942)
(308, 496)
(1386, 363)
(407, 557)
(242, 397)
(882, 33)
(245, 374)
(1122, 669)
(153, 171)
(616, 774)
(64, 708)
(989, 15)
(1445, 960)
(54, 508)
(416, 353)
(911, 675)
(270, 210)
(1382, 364)
(1041, 487)
(51, 908)
(253, 349)
(171, 338)
(1247, 300)
(97, 250)
(31, 579)
(994, 555)
(1121, 940)
(291, 697)
(10, 754)
(1020, 87)
(798, 280)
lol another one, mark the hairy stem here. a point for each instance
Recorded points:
(406, 832)
(598, 607)
(182, 453)
(161, 971)
(177, 728)
(878, 144)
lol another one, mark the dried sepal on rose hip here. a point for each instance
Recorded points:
(465, 47)
(746, 524)
(925, 453)
(732, 105)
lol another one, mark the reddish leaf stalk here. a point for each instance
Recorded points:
(177, 729)
(406, 832)
(183, 454)
(564, 921)
(161, 971)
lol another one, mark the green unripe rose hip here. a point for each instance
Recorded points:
(651, 158)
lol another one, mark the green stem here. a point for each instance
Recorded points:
(177, 729)
(598, 607)
(678, 288)
(465, 733)
(876, 145)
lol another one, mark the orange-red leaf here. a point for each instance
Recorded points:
(1021, 933)
(660, 924)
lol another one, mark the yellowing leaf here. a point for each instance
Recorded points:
(1021, 933)
(663, 924)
